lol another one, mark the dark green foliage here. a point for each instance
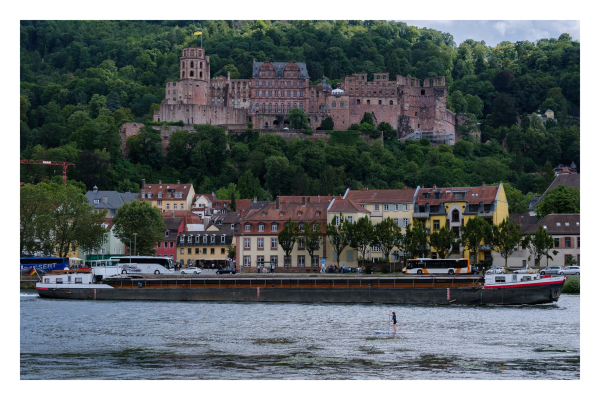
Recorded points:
(80, 80)
(559, 200)
(327, 124)
(572, 285)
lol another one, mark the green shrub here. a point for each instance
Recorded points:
(368, 269)
(571, 285)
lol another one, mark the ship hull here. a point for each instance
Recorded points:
(269, 292)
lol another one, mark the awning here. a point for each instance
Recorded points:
(75, 259)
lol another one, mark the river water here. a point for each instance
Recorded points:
(74, 339)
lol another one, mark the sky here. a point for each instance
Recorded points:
(494, 32)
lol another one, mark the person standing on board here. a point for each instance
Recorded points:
(393, 320)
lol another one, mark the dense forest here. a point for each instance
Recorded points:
(80, 80)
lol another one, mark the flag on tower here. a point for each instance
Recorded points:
(197, 33)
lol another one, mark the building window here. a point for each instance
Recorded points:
(350, 218)
(455, 216)
(246, 243)
(273, 243)
(260, 243)
(436, 224)
(556, 243)
(168, 206)
(568, 242)
(300, 261)
(212, 251)
(578, 244)
(396, 207)
(301, 244)
(274, 261)
(203, 251)
(189, 250)
(204, 239)
(261, 228)
(386, 207)
(222, 238)
(376, 249)
(376, 207)
(247, 261)
(456, 231)
(274, 228)
(197, 250)
(247, 228)
(232, 226)
(212, 239)
(397, 221)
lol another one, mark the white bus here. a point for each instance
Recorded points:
(145, 264)
(448, 266)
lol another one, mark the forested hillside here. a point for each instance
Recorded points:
(81, 80)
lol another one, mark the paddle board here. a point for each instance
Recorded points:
(391, 332)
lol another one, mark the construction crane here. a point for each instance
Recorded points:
(64, 164)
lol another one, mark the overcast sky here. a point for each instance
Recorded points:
(494, 32)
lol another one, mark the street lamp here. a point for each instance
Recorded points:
(134, 243)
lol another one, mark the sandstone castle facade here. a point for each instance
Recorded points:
(415, 109)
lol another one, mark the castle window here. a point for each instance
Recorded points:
(368, 101)
(379, 101)
(312, 94)
(418, 125)
(342, 104)
(422, 92)
(276, 107)
(415, 113)
(191, 64)
(301, 106)
(270, 108)
(191, 73)
(357, 101)
(333, 104)
(391, 102)
(183, 74)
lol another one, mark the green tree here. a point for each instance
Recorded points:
(327, 124)
(386, 234)
(476, 232)
(226, 192)
(338, 234)
(142, 218)
(232, 204)
(458, 102)
(505, 237)
(442, 240)
(35, 220)
(367, 118)
(297, 118)
(559, 200)
(548, 174)
(414, 242)
(146, 148)
(231, 251)
(287, 238)
(361, 236)
(570, 260)
(313, 239)
(248, 186)
(539, 245)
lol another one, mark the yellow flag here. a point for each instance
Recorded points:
(197, 33)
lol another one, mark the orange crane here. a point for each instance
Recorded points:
(64, 164)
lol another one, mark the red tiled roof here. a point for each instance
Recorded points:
(166, 189)
(551, 222)
(347, 206)
(571, 180)
(109, 223)
(188, 216)
(269, 214)
(243, 204)
(485, 194)
(381, 196)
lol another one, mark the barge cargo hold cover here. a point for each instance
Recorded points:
(440, 290)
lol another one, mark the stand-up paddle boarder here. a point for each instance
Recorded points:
(393, 320)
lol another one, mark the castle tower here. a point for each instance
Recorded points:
(194, 65)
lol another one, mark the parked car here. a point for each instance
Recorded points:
(526, 270)
(496, 270)
(573, 270)
(190, 270)
(551, 270)
(226, 270)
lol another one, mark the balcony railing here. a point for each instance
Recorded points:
(420, 214)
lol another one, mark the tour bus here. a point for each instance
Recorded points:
(448, 266)
(46, 264)
(145, 264)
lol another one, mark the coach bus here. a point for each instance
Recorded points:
(145, 264)
(448, 266)
(46, 264)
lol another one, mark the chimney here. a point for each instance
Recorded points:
(434, 187)
(95, 189)
(143, 183)
(228, 75)
(404, 187)
(483, 185)
(255, 199)
(277, 203)
(214, 196)
(105, 199)
(520, 218)
(178, 181)
(241, 214)
(364, 188)
(303, 201)
(159, 182)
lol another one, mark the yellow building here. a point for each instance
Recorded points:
(168, 196)
(351, 212)
(396, 204)
(453, 207)
(207, 247)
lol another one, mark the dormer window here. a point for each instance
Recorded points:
(220, 222)
(247, 228)
(318, 213)
(281, 214)
(566, 224)
(436, 195)
(299, 213)
(149, 195)
(558, 224)
(459, 195)
(232, 226)
(222, 239)
(167, 233)
(425, 196)
(273, 227)
(204, 239)
(143, 195)
(301, 227)
(212, 239)
(96, 201)
(182, 240)
(160, 195)
(198, 239)
(261, 228)
(190, 239)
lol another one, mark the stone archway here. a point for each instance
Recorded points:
(275, 124)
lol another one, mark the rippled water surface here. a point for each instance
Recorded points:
(74, 339)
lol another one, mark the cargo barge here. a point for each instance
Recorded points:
(441, 290)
